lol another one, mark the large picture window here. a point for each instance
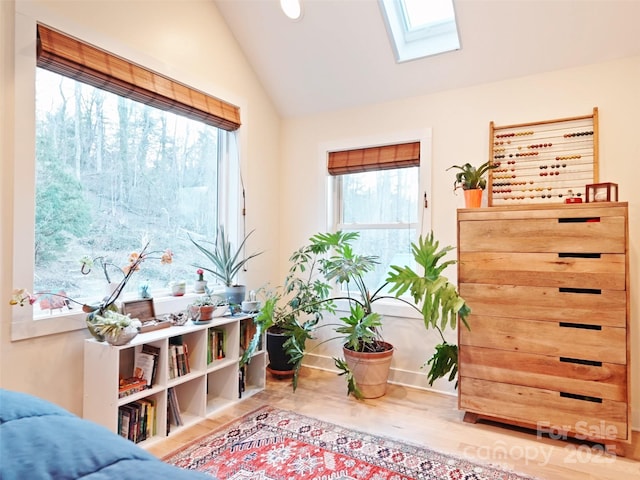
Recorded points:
(112, 174)
(109, 155)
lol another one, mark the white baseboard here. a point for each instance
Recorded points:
(397, 376)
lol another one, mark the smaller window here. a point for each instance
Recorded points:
(376, 191)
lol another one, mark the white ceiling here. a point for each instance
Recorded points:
(338, 55)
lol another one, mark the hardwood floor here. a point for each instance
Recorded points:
(428, 419)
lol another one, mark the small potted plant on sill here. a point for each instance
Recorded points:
(333, 259)
(207, 307)
(472, 181)
(200, 284)
(226, 262)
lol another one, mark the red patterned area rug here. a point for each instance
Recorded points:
(274, 444)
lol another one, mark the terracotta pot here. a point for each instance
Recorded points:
(370, 370)
(206, 312)
(473, 198)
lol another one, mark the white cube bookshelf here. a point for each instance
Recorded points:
(208, 388)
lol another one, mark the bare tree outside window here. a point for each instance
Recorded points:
(111, 174)
(382, 206)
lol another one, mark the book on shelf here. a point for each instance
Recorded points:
(144, 366)
(187, 367)
(124, 416)
(178, 357)
(242, 378)
(155, 351)
(174, 407)
(220, 352)
(131, 385)
(210, 343)
(216, 344)
(182, 365)
(136, 420)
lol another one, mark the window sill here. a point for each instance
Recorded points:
(24, 326)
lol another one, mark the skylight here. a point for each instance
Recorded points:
(420, 28)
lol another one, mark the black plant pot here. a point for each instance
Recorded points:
(279, 365)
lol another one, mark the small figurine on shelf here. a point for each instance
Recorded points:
(601, 192)
(143, 290)
(200, 284)
(572, 198)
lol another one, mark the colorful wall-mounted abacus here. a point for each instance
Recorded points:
(543, 162)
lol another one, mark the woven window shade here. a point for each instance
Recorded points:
(83, 62)
(374, 158)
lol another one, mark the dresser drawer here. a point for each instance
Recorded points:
(554, 235)
(604, 380)
(542, 408)
(558, 339)
(599, 271)
(599, 307)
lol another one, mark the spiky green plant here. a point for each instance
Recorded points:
(226, 260)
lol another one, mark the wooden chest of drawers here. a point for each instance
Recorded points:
(548, 348)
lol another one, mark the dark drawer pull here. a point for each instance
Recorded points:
(590, 291)
(580, 361)
(578, 219)
(584, 326)
(586, 398)
(579, 255)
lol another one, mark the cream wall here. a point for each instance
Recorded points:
(188, 41)
(460, 122)
(283, 165)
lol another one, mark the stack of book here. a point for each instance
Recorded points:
(131, 385)
(173, 409)
(144, 373)
(137, 420)
(178, 357)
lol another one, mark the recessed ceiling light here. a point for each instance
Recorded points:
(292, 8)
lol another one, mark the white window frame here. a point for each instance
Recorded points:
(385, 307)
(23, 324)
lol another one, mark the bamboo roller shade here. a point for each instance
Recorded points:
(374, 158)
(83, 62)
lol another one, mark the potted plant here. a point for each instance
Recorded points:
(288, 313)
(226, 263)
(116, 328)
(200, 284)
(332, 255)
(472, 182)
(205, 308)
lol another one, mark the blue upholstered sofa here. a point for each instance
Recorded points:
(39, 440)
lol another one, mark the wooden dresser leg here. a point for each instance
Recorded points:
(617, 449)
(470, 417)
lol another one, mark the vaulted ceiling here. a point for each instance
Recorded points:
(339, 55)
